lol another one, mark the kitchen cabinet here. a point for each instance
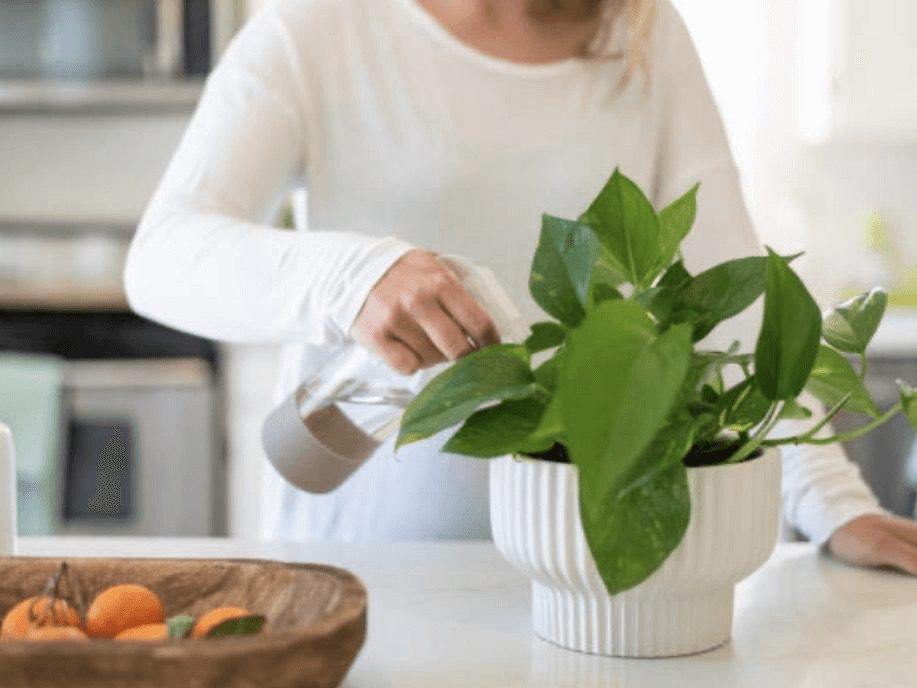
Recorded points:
(856, 70)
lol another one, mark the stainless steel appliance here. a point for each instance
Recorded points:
(139, 447)
(113, 39)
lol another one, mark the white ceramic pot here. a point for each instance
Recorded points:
(684, 607)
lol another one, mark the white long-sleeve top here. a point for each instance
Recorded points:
(406, 137)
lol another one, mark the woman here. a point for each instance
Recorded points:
(446, 126)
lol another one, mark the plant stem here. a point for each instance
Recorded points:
(864, 366)
(840, 437)
(746, 450)
(827, 419)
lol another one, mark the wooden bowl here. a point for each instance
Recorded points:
(315, 625)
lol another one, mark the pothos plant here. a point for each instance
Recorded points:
(622, 388)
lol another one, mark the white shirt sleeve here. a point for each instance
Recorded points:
(822, 489)
(204, 258)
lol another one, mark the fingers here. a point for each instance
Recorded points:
(877, 541)
(897, 553)
(902, 528)
(474, 320)
(419, 314)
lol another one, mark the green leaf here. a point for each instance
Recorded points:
(833, 377)
(179, 626)
(719, 293)
(676, 277)
(849, 326)
(550, 428)
(675, 222)
(602, 291)
(792, 410)
(743, 407)
(496, 372)
(245, 625)
(497, 430)
(630, 534)
(546, 374)
(790, 332)
(627, 225)
(562, 268)
(617, 384)
(908, 397)
(544, 336)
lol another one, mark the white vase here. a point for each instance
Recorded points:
(682, 608)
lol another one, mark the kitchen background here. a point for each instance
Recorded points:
(126, 427)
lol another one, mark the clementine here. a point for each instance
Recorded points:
(123, 606)
(37, 611)
(215, 617)
(152, 631)
(55, 633)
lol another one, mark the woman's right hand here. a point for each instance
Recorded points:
(419, 314)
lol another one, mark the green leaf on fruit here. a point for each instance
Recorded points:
(180, 626)
(245, 625)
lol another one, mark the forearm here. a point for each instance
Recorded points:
(205, 272)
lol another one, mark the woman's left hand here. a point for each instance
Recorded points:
(877, 540)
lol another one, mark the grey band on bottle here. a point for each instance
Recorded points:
(318, 453)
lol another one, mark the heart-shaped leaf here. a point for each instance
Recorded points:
(719, 293)
(743, 406)
(790, 332)
(617, 384)
(544, 336)
(562, 268)
(497, 430)
(496, 372)
(630, 534)
(850, 326)
(627, 225)
(675, 222)
(833, 377)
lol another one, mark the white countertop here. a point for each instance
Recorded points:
(456, 614)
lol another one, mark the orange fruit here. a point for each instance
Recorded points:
(55, 633)
(153, 631)
(215, 617)
(37, 611)
(123, 606)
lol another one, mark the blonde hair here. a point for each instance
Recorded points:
(639, 18)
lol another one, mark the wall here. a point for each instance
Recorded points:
(83, 167)
(803, 195)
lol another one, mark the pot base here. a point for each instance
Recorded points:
(662, 626)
